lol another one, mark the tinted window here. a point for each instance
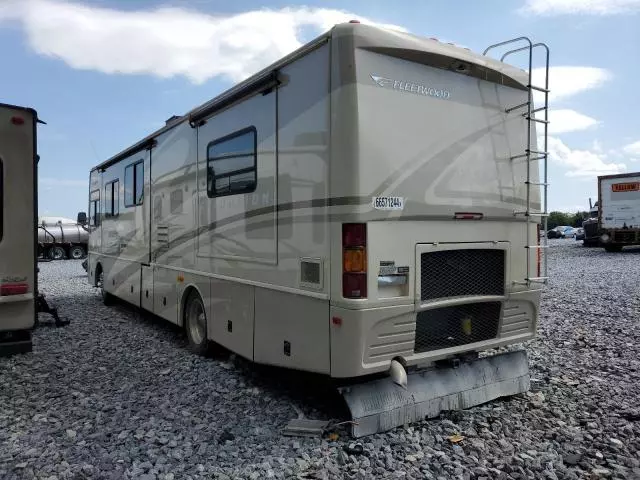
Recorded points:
(108, 200)
(94, 211)
(94, 208)
(134, 184)
(112, 199)
(128, 186)
(139, 190)
(116, 197)
(231, 164)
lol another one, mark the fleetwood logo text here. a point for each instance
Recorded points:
(411, 87)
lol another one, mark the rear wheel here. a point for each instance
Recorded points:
(76, 252)
(195, 324)
(57, 253)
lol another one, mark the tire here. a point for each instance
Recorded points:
(613, 248)
(195, 324)
(76, 252)
(107, 298)
(57, 253)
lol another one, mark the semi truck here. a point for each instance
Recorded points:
(590, 227)
(57, 241)
(619, 210)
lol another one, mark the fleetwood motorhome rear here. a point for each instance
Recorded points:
(371, 200)
(18, 278)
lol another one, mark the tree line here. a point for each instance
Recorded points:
(556, 219)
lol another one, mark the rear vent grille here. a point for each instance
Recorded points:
(311, 273)
(458, 325)
(457, 273)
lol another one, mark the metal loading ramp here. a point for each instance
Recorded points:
(381, 405)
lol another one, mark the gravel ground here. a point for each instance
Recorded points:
(118, 395)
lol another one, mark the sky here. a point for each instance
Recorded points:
(105, 73)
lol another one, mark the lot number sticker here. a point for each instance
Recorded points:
(388, 203)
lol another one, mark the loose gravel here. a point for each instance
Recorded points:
(118, 395)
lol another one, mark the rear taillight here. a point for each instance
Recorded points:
(7, 289)
(354, 260)
(468, 216)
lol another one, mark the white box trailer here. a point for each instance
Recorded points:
(368, 204)
(619, 210)
(18, 200)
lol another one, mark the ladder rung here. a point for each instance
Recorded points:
(541, 157)
(511, 109)
(537, 246)
(541, 184)
(537, 152)
(539, 120)
(539, 109)
(532, 214)
(539, 89)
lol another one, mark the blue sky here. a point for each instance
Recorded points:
(105, 73)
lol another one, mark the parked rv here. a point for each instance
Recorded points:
(317, 217)
(18, 200)
(20, 300)
(619, 210)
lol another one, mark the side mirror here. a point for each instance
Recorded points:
(82, 218)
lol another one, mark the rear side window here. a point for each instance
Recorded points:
(231, 164)
(1, 199)
(134, 184)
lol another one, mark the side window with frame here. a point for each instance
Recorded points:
(112, 199)
(232, 164)
(134, 184)
(94, 210)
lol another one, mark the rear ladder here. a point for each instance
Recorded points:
(531, 155)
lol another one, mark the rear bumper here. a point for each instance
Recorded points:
(620, 236)
(364, 342)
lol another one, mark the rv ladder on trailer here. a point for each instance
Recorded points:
(533, 154)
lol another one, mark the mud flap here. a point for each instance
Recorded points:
(381, 405)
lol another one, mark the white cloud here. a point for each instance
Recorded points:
(585, 7)
(167, 42)
(48, 182)
(565, 120)
(581, 163)
(597, 146)
(632, 148)
(567, 81)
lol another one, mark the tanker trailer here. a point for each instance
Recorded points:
(59, 241)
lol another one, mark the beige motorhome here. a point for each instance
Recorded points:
(368, 204)
(18, 200)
